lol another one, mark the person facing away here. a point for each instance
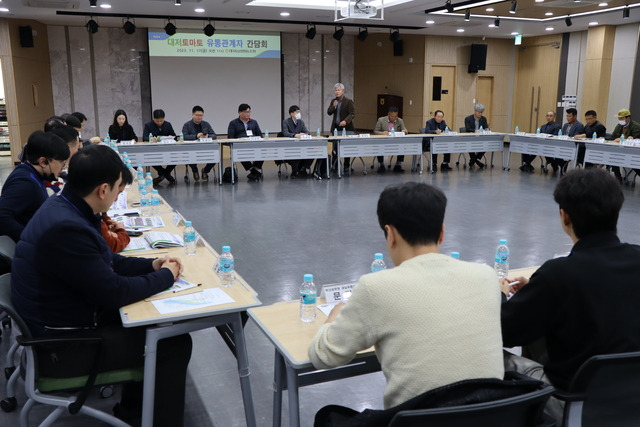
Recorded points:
(433, 320)
(581, 305)
(390, 123)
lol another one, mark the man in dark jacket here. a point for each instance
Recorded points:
(475, 123)
(65, 280)
(343, 111)
(197, 128)
(242, 127)
(153, 130)
(437, 125)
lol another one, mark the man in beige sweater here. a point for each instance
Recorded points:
(433, 320)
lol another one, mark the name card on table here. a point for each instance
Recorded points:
(176, 219)
(563, 137)
(541, 135)
(304, 136)
(397, 134)
(337, 293)
(450, 133)
(206, 139)
(628, 142)
(249, 132)
(521, 133)
(167, 140)
(255, 138)
(364, 135)
(127, 142)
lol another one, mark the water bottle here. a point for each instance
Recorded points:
(155, 202)
(142, 184)
(140, 172)
(107, 140)
(148, 183)
(335, 132)
(344, 132)
(446, 129)
(308, 295)
(594, 137)
(378, 263)
(266, 134)
(181, 139)
(226, 267)
(391, 132)
(131, 169)
(622, 139)
(517, 129)
(318, 133)
(538, 131)
(502, 259)
(150, 137)
(144, 203)
(480, 130)
(189, 237)
(455, 255)
(559, 132)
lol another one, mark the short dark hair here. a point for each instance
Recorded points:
(68, 133)
(591, 113)
(393, 110)
(127, 177)
(243, 107)
(197, 108)
(52, 122)
(94, 166)
(438, 111)
(592, 198)
(158, 114)
(293, 109)
(572, 111)
(47, 145)
(120, 113)
(78, 115)
(415, 209)
(72, 120)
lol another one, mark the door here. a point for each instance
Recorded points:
(443, 94)
(484, 95)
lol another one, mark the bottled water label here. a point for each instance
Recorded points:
(189, 237)
(502, 257)
(226, 265)
(307, 299)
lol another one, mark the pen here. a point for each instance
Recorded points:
(517, 282)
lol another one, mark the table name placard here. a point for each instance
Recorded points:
(206, 139)
(337, 293)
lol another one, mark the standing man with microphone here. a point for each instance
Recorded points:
(343, 112)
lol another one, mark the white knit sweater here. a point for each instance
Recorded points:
(433, 321)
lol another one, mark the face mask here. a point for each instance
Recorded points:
(298, 116)
(622, 122)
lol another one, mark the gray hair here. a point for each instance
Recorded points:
(552, 112)
(479, 107)
(338, 85)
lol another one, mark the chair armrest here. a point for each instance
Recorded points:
(568, 397)
(59, 340)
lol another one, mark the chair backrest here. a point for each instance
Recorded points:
(7, 248)
(7, 306)
(610, 385)
(463, 129)
(523, 410)
(422, 130)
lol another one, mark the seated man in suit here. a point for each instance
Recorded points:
(78, 291)
(437, 125)
(583, 304)
(152, 131)
(550, 128)
(197, 128)
(413, 314)
(390, 123)
(474, 123)
(294, 127)
(243, 127)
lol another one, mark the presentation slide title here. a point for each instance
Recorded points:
(218, 45)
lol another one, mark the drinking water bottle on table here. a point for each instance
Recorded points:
(308, 296)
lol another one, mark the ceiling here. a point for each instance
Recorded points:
(529, 19)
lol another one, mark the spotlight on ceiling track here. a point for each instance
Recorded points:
(338, 33)
(92, 26)
(496, 22)
(394, 35)
(567, 21)
(625, 12)
(209, 29)
(514, 7)
(129, 27)
(311, 32)
(467, 15)
(448, 6)
(170, 29)
(363, 33)
(93, 3)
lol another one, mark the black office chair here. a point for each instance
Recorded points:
(281, 163)
(7, 249)
(604, 392)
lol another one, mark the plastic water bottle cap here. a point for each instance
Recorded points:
(455, 255)
(377, 256)
(155, 191)
(144, 192)
(226, 249)
(308, 277)
(139, 165)
(503, 241)
(187, 223)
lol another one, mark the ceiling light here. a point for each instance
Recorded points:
(496, 22)
(515, 33)
(4, 9)
(395, 34)
(105, 6)
(338, 33)
(514, 6)
(591, 24)
(129, 27)
(311, 32)
(93, 3)
(549, 29)
(603, 4)
(489, 9)
(198, 10)
(209, 29)
(448, 6)
(539, 1)
(284, 14)
(430, 21)
(467, 15)
(625, 12)
(548, 14)
(460, 30)
(492, 26)
(177, 2)
(567, 21)
(92, 26)
(363, 33)
(170, 29)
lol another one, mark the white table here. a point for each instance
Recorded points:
(467, 143)
(612, 154)
(549, 146)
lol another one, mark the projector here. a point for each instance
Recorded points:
(358, 11)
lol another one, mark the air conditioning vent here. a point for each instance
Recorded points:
(52, 4)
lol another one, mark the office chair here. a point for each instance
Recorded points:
(41, 389)
(7, 250)
(604, 391)
(281, 163)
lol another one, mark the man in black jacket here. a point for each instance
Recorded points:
(584, 304)
(342, 110)
(475, 123)
(242, 127)
(66, 281)
(437, 125)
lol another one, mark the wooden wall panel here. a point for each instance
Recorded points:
(597, 69)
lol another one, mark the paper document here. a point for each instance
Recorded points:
(326, 308)
(162, 239)
(137, 244)
(179, 285)
(121, 202)
(198, 300)
(140, 222)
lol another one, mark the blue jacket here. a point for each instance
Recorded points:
(236, 128)
(23, 193)
(65, 276)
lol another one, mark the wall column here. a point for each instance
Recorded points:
(598, 60)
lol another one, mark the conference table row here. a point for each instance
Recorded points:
(365, 145)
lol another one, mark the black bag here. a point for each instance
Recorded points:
(226, 176)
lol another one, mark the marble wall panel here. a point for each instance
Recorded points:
(330, 74)
(82, 78)
(291, 69)
(314, 95)
(59, 69)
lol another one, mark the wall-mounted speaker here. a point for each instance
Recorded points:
(478, 60)
(26, 36)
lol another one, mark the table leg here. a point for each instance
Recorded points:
(328, 166)
(508, 160)
(338, 166)
(220, 164)
(149, 382)
(243, 370)
(277, 389)
(292, 390)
